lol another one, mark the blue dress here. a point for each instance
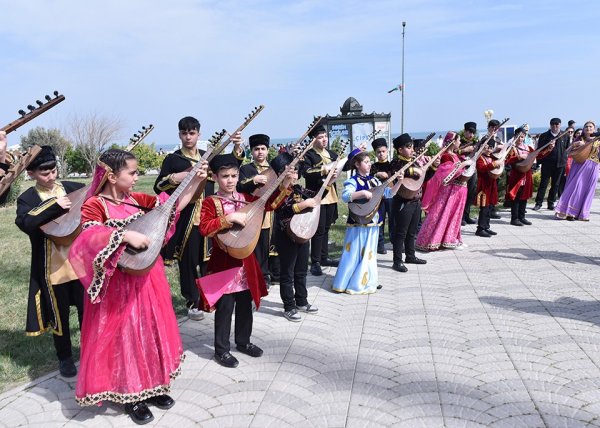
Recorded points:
(357, 271)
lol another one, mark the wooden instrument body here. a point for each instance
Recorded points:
(17, 168)
(525, 165)
(304, 225)
(501, 158)
(271, 176)
(239, 242)
(581, 154)
(64, 229)
(363, 212)
(153, 224)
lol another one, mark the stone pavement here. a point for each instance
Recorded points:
(503, 333)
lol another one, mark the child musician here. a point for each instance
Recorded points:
(53, 286)
(245, 282)
(487, 190)
(130, 344)
(357, 272)
(381, 169)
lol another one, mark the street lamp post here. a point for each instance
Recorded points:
(402, 113)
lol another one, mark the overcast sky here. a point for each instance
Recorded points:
(149, 61)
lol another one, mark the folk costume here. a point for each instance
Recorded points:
(131, 349)
(487, 192)
(385, 209)
(246, 185)
(53, 285)
(576, 199)
(315, 172)
(357, 272)
(472, 182)
(293, 255)
(244, 279)
(444, 205)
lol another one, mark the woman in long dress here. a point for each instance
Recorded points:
(576, 200)
(357, 271)
(444, 204)
(130, 343)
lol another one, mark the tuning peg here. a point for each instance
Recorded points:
(22, 112)
(56, 94)
(47, 97)
(30, 107)
(38, 102)
(144, 128)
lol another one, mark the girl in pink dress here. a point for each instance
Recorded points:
(130, 343)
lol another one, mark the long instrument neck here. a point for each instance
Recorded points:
(404, 168)
(539, 149)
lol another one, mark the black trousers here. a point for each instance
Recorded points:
(485, 214)
(518, 207)
(67, 295)
(292, 277)
(385, 208)
(242, 301)
(471, 195)
(406, 220)
(191, 267)
(261, 251)
(319, 248)
(550, 173)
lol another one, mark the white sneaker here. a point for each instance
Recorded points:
(195, 314)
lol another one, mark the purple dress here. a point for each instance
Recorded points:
(576, 199)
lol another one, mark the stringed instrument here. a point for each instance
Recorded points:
(410, 187)
(239, 241)
(581, 153)
(6, 179)
(525, 165)
(483, 144)
(303, 225)
(64, 229)
(500, 156)
(154, 223)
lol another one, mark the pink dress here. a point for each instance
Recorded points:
(444, 206)
(130, 343)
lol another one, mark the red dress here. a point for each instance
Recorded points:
(487, 186)
(130, 343)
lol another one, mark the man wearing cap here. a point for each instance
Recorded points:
(254, 175)
(186, 245)
(316, 166)
(553, 165)
(468, 141)
(53, 284)
(406, 209)
(381, 169)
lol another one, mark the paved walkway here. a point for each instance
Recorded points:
(503, 333)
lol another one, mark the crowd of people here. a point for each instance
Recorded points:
(130, 343)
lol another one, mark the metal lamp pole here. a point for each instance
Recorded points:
(402, 113)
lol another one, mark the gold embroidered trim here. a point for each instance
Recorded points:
(98, 264)
(41, 208)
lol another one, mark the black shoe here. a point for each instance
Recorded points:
(491, 232)
(161, 401)
(379, 287)
(67, 367)
(415, 261)
(226, 360)
(250, 349)
(470, 220)
(315, 269)
(516, 223)
(381, 251)
(463, 223)
(537, 207)
(330, 262)
(551, 207)
(139, 413)
(399, 267)
(483, 233)
(525, 221)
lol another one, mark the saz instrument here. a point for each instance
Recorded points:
(138, 138)
(6, 179)
(303, 225)
(579, 154)
(239, 241)
(500, 156)
(364, 210)
(471, 162)
(525, 165)
(64, 229)
(154, 223)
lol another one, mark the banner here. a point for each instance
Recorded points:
(360, 134)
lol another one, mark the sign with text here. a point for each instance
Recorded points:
(361, 133)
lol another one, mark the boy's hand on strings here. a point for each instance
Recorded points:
(307, 203)
(64, 202)
(203, 171)
(290, 174)
(237, 141)
(260, 179)
(137, 240)
(237, 218)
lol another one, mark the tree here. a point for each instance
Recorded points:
(147, 157)
(92, 134)
(49, 137)
(76, 163)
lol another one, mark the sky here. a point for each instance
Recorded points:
(150, 61)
